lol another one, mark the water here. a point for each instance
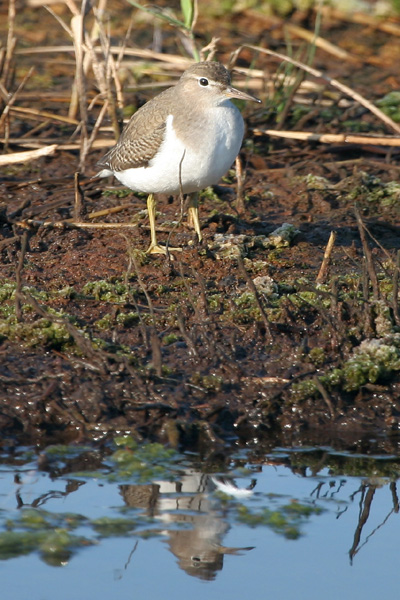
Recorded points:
(292, 524)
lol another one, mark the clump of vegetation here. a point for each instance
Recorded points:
(108, 291)
(40, 332)
(390, 104)
(48, 533)
(140, 462)
(373, 190)
(373, 361)
(285, 520)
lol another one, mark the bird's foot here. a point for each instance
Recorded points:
(157, 249)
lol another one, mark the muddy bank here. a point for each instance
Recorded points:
(241, 337)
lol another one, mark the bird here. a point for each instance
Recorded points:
(182, 140)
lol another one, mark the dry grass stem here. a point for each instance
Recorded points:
(79, 88)
(334, 82)
(239, 201)
(14, 96)
(38, 3)
(96, 127)
(109, 211)
(332, 138)
(103, 70)
(44, 142)
(210, 50)
(29, 223)
(79, 200)
(308, 36)
(319, 42)
(7, 69)
(327, 258)
(28, 156)
(63, 25)
(361, 18)
(33, 113)
(146, 54)
(369, 261)
(264, 380)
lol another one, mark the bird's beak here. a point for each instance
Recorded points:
(232, 92)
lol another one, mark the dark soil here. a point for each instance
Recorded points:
(97, 338)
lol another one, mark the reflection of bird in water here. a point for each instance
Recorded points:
(199, 549)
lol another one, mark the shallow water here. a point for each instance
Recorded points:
(297, 523)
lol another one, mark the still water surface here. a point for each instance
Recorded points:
(294, 524)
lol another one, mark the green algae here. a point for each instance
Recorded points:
(41, 332)
(374, 191)
(390, 105)
(113, 527)
(108, 291)
(286, 520)
(49, 534)
(140, 462)
(373, 361)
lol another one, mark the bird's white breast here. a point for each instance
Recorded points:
(198, 157)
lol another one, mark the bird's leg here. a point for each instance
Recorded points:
(151, 210)
(154, 247)
(193, 214)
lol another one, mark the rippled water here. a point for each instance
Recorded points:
(147, 523)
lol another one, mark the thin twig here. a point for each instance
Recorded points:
(97, 125)
(14, 96)
(18, 275)
(154, 339)
(79, 208)
(367, 253)
(395, 304)
(325, 396)
(253, 289)
(185, 334)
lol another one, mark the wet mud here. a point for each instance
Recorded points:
(240, 337)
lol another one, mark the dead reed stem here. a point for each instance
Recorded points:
(327, 257)
(7, 71)
(77, 27)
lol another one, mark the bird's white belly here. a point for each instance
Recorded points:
(198, 164)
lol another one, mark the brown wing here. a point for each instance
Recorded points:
(141, 137)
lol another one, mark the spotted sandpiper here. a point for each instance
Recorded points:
(184, 139)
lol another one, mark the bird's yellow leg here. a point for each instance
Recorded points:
(193, 214)
(154, 247)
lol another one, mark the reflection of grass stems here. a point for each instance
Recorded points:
(186, 26)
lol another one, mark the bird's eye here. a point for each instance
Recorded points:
(203, 81)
